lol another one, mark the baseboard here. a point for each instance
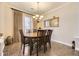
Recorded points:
(77, 49)
(63, 43)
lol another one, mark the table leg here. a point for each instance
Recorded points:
(37, 48)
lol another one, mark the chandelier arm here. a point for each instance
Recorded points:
(38, 16)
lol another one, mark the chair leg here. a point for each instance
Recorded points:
(45, 47)
(30, 52)
(37, 48)
(21, 46)
(50, 44)
(23, 49)
(31, 48)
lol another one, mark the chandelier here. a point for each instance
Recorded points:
(37, 16)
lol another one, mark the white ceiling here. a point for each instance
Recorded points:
(31, 7)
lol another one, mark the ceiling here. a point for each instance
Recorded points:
(31, 7)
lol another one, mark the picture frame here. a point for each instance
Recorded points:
(53, 22)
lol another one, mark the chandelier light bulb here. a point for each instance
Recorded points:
(41, 16)
(33, 16)
(37, 15)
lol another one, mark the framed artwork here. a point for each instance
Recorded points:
(53, 22)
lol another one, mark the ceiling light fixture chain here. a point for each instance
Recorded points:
(38, 7)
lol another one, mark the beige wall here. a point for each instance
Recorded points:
(76, 25)
(77, 19)
(68, 23)
(1, 18)
(6, 19)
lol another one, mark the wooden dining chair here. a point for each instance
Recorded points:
(49, 33)
(42, 41)
(24, 41)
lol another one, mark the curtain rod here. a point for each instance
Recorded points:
(21, 11)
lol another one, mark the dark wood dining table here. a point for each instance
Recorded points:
(33, 35)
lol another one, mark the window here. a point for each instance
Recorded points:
(46, 23)
(27, 24)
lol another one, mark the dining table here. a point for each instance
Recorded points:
(32, 36)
